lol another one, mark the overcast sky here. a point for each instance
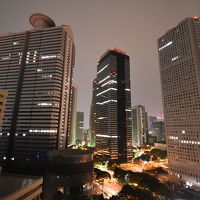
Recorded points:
(131, 25)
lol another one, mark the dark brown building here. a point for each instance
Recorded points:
(36, 69)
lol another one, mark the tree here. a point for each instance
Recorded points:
(97, 161)
(98, 174)
(98, 197)
(140, 194)
(142, 180)
(112, 165)
(159, 153)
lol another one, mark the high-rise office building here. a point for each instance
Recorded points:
(73, 115)
(139, 126)
(80, 126)
(113, 106)
(36, 68)
(86, 133)
(150, 121)
(158, 130)
(92, 121)
(179, 54)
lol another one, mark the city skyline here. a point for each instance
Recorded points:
(139, 96)
(129, 30)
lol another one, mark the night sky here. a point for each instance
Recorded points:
(131, 25)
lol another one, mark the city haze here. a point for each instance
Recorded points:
(131, 25)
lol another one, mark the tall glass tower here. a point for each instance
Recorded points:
(179, 53)
(36, 69)
(113, 106)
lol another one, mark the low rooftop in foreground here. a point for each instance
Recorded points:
(16, 186)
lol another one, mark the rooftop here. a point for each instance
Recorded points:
(116, 50)
(70, 153)
(10, 184)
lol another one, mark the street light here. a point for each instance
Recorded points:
(143, 165)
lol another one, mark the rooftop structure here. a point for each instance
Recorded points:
(20, 187)
(69, 174)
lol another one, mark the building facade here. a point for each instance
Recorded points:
(139, 126)
(92, 121)
(158, 130)
(151, 119)
(113, 106)
(36, 69)
(80, 127)
(73, 115)
(3, 96)
(179, 54)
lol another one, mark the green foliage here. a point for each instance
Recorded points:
(141, 194)
(159, 153)
(158, 170)
(143, 180)
(98, 174)
(154, 154)
(134, 154)
(112, 165)
(98, 197)
(97, 160)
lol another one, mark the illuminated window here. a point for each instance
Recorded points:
(15, 43)
(6, 58)
(50, 56)
(104, 79)
(166, 45)
(43, 130)
(109, 82)
(106, 91)
(47, 76)
(106, 102)
(102, 69)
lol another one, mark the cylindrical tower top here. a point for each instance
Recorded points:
(39, 20)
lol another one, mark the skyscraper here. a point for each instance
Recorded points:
(92, 121)
(179, 55)
(139, 126)
(80, 126)
(73, 115)
(158, 130)
(36, 68)
(113, 106)
(150, 121)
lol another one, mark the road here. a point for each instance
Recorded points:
(110, 187)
